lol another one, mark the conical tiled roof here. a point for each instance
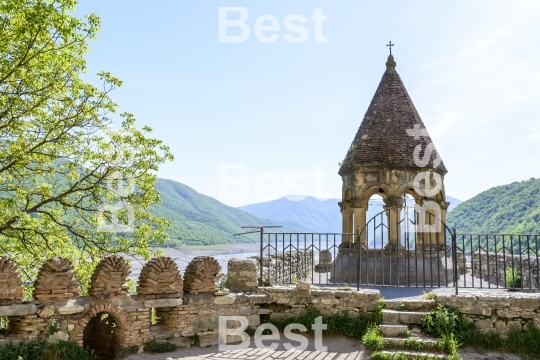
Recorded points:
(382, 139)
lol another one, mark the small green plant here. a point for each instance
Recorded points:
(41, 350)
(429, 295)
(195, 339)
(159, 347)
(294, 280)
(414, 344)
(409, 333)
(154, 319)
(344, 288)
(402, 307)
(448, 344)
(513, 278)
(52, 328)
(132, 286)
(222, 283)
(445, 321)
(4, 321)
(373, 339)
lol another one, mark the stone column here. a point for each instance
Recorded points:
(347, 216)
(393, 208)
(359, 224)
(444, 209)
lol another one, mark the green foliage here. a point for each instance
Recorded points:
(373, 339)
(398, 356)
(429, 295)
(154, 319)
(4, 321)
(513, 278)
(447, 321)
(41, 350)
(525, 343)
(448, 344)
(336, 325)
(222, 283)
(132, 286)
(159, 347)
(58, 152)
(195, 339)
(508, 209)
(414, 344)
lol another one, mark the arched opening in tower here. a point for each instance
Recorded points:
(102, 335)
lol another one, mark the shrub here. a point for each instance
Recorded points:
(41, 350)
(159, 347)
(373, 339)
(513, 278)
(447, 321)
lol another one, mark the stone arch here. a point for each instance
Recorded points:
(371, 188)
(104, 328)
(109, 277)
(201, 274)
(11, 285)
(56, 281)
(160, 278)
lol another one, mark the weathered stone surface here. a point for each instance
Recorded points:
(68, 310)
(109, 277)
(242, 275)
(160, 278)
(302, 285)
(201, 275)
(58, 336)
(46, 312)
(158, 303)
(224, 300)
(17, 310)
(56, 281)
(11, 285)
(484, 324)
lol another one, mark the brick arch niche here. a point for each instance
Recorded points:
(103, 330)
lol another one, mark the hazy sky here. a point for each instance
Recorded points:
(285, 113)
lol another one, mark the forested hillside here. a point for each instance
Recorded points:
(200, 219)
(511, 209)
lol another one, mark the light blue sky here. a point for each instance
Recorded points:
(472, 69)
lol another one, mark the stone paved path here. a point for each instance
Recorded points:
(339, 348)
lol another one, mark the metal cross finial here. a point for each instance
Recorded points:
(390, 46)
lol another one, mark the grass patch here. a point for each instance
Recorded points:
(526, 344)
(373, 339)
(41, 350)
(340, 324)
(159, 347)
(383, 356)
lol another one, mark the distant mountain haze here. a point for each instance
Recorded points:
(320, 216)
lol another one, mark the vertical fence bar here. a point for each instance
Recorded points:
(454, 253)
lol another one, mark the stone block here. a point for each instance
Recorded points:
(70, 310)
(514, 326)
(224, 300)
(302, 285)
(18, 310)
(484, 324)
(158, 303)
(244, 310)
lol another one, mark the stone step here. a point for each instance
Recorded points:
(393, 317)
(429, 342)
(411, 305)
(394, 330)
(414, 354)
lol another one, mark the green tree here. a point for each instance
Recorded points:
(58, 159)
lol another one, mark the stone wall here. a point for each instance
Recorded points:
(287, 267)
(496, 311)
(186, 314)
(492, 268)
